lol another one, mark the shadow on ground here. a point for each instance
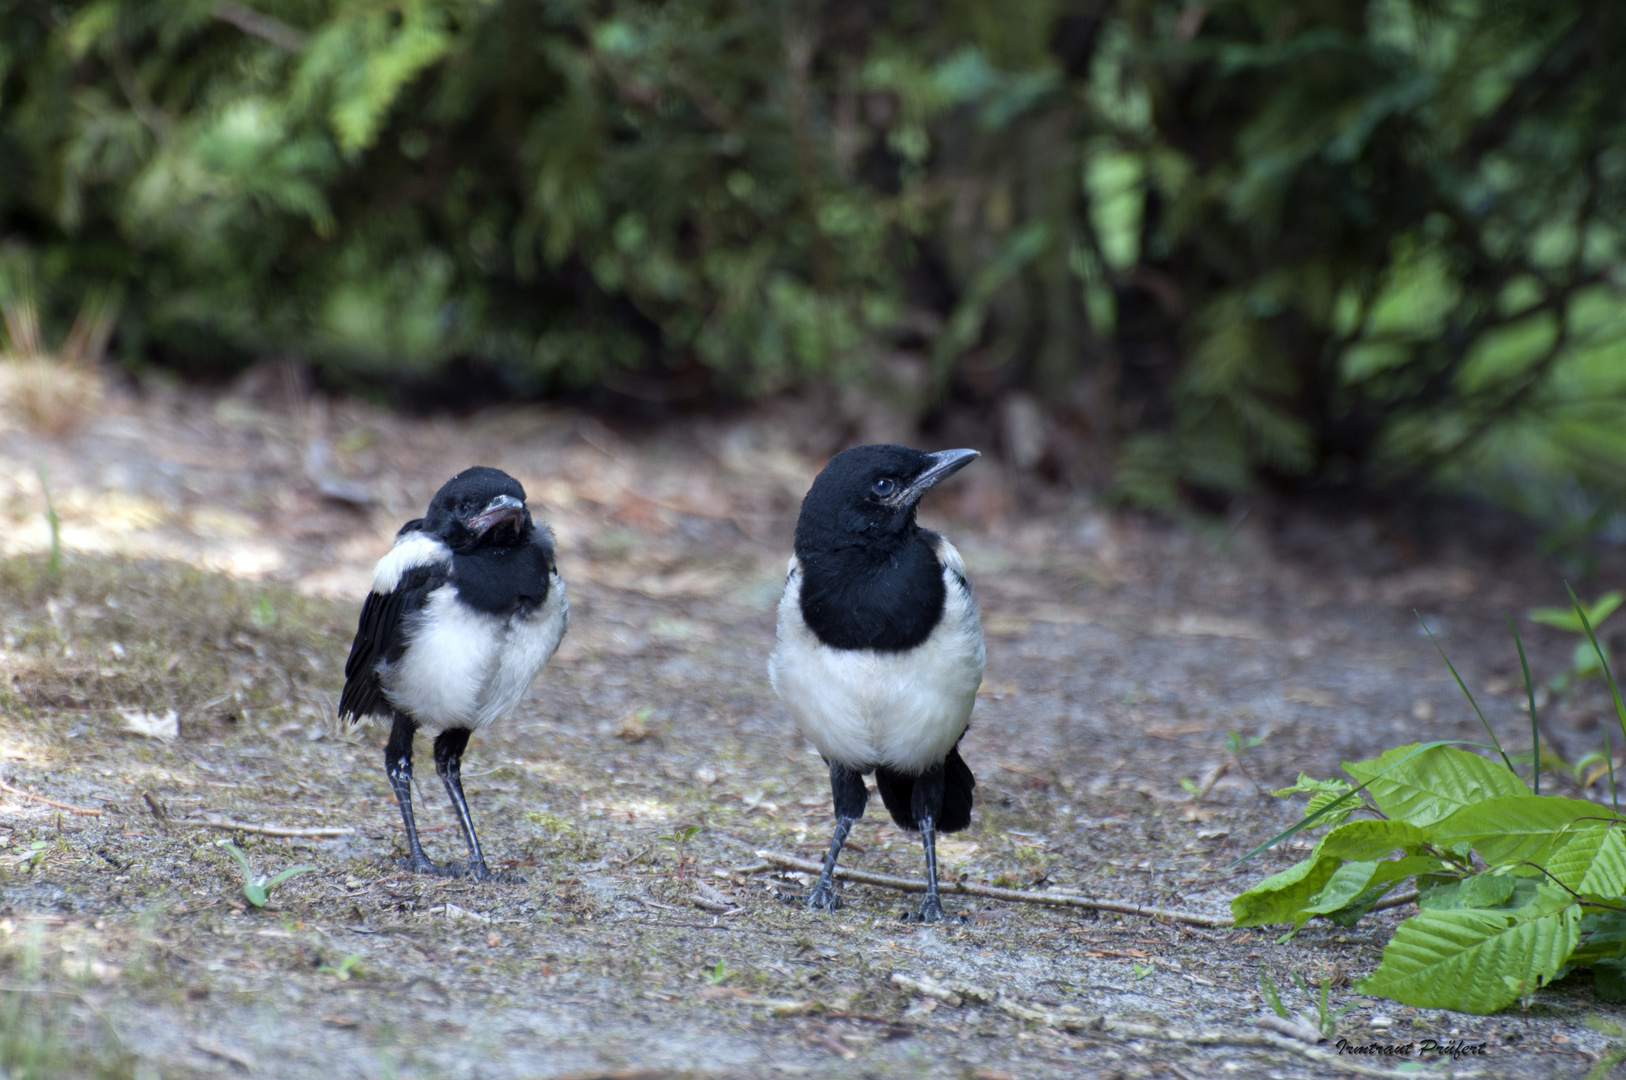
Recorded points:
(208, 573)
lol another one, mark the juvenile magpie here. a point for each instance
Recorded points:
(880, 649)
(465, 609)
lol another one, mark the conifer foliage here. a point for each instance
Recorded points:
(1316, 241)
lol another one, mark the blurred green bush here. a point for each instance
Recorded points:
(1316, 243)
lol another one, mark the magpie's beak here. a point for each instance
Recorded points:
(944, 464)
(502, 510)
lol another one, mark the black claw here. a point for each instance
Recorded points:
(823, 898)
(424, 866)
(931, 910)
(482, 872)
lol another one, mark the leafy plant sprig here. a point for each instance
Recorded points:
(1515, 889)
(257, 887)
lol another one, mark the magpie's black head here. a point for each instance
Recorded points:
(479, 507)
(868, 494)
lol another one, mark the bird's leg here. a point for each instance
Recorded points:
(398, 766)
(449, 746)
(849, 796)
(928, 802)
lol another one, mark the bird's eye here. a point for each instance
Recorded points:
(883, 487)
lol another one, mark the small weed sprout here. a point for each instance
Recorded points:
(30, 856)
(1272, 996)
(1143, 970)
(717, 975)
(257, 887)
(344, 970)
(679, 839)
(263, 615)
(1326, 1021)
(1589, 658)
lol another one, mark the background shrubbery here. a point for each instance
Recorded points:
(1318, 243)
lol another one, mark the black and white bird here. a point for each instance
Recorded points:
(465, 610)
(880, 649)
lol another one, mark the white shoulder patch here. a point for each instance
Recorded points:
(793, 567)
(949, 556)
(411, 551)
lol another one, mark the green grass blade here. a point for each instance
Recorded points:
(1609, 760)
(1311, 819)
(1530, 692)
(54, 567)
(286, 874)
(237, 853)
(1586, 624)
(1469, 695)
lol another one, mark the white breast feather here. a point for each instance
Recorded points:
(865, 708)
(466, 668)
(527, 647)
(411, 550)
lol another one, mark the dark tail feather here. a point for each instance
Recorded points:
(898, 792)
(957, 785)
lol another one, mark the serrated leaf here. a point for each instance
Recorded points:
(1354, 879)
(1371, 839)
(1434, 784)
(1605, 928)
(1279, 898)
(1603, 937)
(1472, 960)
(1609, 980)
(1323, 799)
(1305, 785)
(1282, 896)
(1592, 862)
(1479, 891)
(1512, 828)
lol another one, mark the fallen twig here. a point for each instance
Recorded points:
(1016, 896)
(1019, 896)
(1398, 900)
(263, 830)
(1073, 1020)
(85, 811)
(776, 1006)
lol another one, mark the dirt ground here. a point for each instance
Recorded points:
(216, 547)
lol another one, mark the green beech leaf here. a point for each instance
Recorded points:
(1434, 784)
(1371, 839)
(1512, 828)
(1479, 891)
(1592, 862)
(1282, 896)
(1609, 980)
(1352, 881)
(1474, 960)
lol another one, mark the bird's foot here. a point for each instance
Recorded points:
(422, 865)
(481, 872)
(931, 910)
(823, 897)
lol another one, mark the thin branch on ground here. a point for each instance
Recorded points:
(990, 892)
(263, 830)
(69, 807)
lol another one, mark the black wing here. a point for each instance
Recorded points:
(380, 637)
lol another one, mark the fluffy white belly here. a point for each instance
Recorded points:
(466, 668)
(865, 708)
